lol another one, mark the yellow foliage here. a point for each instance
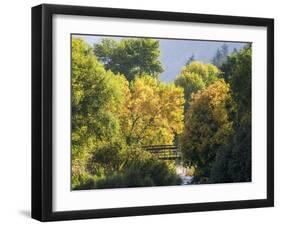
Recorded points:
(207, 124)
(154, 111)
(205, 71)
(196, 76)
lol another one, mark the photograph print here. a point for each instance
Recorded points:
(159, 112)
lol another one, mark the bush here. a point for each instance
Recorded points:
(83, 182)
(106, 159)
(117, 167)
(146, 173)
(140, 169)
(233, 162)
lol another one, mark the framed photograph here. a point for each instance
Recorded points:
(146, 112)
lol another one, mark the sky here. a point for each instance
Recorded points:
(175, 53)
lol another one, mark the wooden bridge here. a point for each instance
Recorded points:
(164, 152)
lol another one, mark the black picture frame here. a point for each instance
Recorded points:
(42, 85)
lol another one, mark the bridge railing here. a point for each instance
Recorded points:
(164, 152)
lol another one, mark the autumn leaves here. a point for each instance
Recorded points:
(119, 105)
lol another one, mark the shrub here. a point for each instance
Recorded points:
(83, 181)
(151, 172)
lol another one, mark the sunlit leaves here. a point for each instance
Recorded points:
(97, 98)
(154, 112)
(196, 76)
(112, 118)
(207, 126)
(119, 104)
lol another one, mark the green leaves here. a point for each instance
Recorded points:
(233, 163)
(238, 72)
(196, 76)
(112, 118)
(207, 126)
(130, 57)
(119, 104)
(97, 97)
(217, 135)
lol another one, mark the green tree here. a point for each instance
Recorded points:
(97, 97)
(130, 57)
(207, 127)
(196, 76)
(233, 160)
(238, 73)
(190, 60)
(111, 120)
(233, 164)
(220, 56)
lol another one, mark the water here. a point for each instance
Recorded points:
(186, 179)
(183, 173)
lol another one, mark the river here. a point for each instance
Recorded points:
(183, 173)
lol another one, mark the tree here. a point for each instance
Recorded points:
(238, 72)
(233, 160)
(220, 56)
(130, 57)
(207, 127)
(112, 119)
(190, 60)
(196, 76)
(233, 164)
(97, 97)
(154, 112)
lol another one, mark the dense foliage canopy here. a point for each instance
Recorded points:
(207, 126)
(196, 76)
(120, 106)
(233, 163)
(130, 57)
(112, 119)
(154, 112)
